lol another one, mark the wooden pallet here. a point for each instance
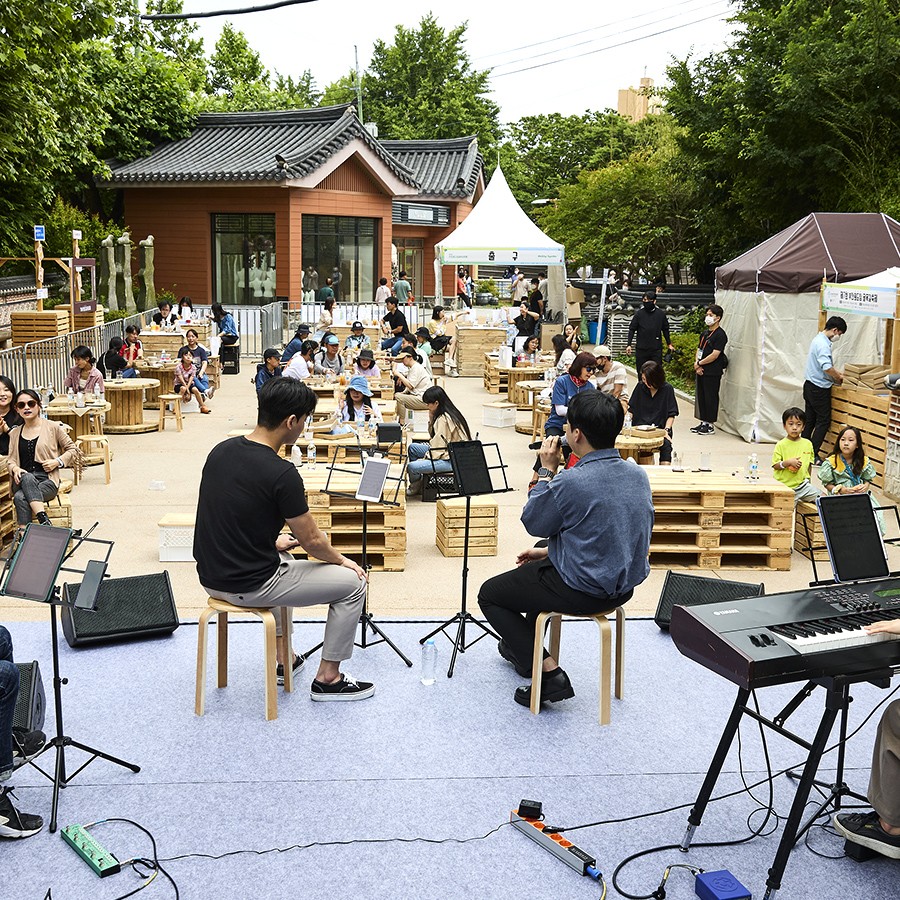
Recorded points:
(450, 526)
(30, 326)
(870, 414)
(471, 345)
(716, 559)
(378, 561)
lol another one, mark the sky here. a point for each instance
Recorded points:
(562, 56)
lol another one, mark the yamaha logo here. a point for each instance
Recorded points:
(725, 612)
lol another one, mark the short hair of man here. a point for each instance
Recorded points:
(716, 310)
(283, 397)
(391, 300)
(649, 295)
(598, 416)
(535, 281)
(836, 322)
(793, 412)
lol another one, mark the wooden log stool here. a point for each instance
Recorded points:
(164, 401)
(87, 444)
(540, 412)
(221, 609)
(602, 621)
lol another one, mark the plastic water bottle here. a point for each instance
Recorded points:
(753, 468)
(311, 452)
(50, 395)
(70, 396)
(297, 455)
(79, 400)
(429, 660)
(626, 425)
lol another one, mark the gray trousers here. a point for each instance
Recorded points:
(299, 582)
(884, 782)
(32, 487)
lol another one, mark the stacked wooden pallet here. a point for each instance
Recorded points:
(808, 536)
(869, 413)
(341, 519)
(712, 521)
(7, 511)
(892, 453)
(32, 325)
(450, 526)
(495, 381)
(471, 345)
(865, 377)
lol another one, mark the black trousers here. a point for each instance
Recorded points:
(706, 397)
(641, 356)
(511, 603)
(817, 401)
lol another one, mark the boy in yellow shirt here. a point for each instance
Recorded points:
(793, 456)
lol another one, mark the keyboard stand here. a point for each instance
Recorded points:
(837, 701)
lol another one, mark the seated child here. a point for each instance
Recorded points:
(793, 456)
(848, 470)
(186, 380)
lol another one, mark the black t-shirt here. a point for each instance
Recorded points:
(714, 340)
(648, 410)
(12, 419)
(246, 493)
(394, 319)
(525, 324)
(536, 302)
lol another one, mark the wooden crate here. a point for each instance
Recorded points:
(712, 521)
(450, 526)
(494, 380)
(869, 413)
(471, 345)
(866, 377)
(815, 543)
(32, 325)
(59, 511)
(379, 561)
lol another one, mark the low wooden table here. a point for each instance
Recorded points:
(80, 421)
(379, 389)
(126, 399)
(164, 372)
(638, 447)
(520, 375)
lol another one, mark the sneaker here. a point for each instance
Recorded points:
(299, 663)
(345, 688)
(697, 429)
(15, 824)
(506, 653)
(210, 392)
(26, 745)
(414, 489)
(708, 429)
(865, 829)
(555, 686)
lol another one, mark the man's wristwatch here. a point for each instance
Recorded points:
(544, 472)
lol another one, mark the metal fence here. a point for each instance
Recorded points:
(417, 313)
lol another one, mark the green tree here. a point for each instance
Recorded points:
(234, 64)
(341, 91)
(423, 86)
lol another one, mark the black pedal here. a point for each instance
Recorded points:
(858, 852)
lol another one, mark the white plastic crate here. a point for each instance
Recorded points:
(499, 415)
(176, 537)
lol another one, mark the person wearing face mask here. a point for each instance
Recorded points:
(651, 325)
(821, 374)
(708, 368)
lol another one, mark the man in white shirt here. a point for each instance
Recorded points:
(415, 382)
(611, 377)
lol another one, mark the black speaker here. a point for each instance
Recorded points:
(127, 609)
(230, 357)
(695, 590)
(31, 704)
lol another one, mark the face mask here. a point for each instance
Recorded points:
(835, 338)
(709, 320)
(649, 306)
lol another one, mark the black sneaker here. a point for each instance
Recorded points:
(345, 688)
(506, 653)
(697, 429)
(555, 686)
(15, 824)
(706, 428)
(26, 745)
(299, 663)
(865, 829)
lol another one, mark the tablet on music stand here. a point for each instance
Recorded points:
(853, 537)
(374, 474)
(35, 566)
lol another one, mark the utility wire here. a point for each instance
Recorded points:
(634, 40)
(150, 17)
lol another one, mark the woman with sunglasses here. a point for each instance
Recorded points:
(38, 449)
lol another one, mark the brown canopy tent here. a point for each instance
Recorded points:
(770, 295)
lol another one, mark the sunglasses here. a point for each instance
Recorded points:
(26, 404)
(590, 368)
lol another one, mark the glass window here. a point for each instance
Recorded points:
(344, 249)
(411, 259)
(243, 258)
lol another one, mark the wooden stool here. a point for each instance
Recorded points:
(540, 412)
(602, 621)
(164, 401)
(86, 442)
(221, 609)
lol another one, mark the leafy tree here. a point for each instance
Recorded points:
(342, 91)
(423, 86)
(234, 64)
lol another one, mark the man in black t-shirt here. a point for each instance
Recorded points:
(393, 327)
(247, 494)
(651, 325)
(708, 368)
(536, 299)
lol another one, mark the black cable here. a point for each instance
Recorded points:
(151, 17)
(393, 840)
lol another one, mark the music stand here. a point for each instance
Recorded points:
(31, 572)
(473, 478)
(367, 489)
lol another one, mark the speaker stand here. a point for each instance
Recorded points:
(61, 740)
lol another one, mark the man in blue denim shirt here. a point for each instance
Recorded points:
(15, 748)
(597, 517)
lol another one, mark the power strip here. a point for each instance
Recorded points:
(90, 850)
(581, 861)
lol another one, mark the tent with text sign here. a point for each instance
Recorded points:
(498, 232)
(772, 297)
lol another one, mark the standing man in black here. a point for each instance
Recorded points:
(536, 299)
(708, 369)
(651, 325)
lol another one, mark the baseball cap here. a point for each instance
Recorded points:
(356, 325)
(270, 353)
(602, 350)
(332, 339)
(423, 331)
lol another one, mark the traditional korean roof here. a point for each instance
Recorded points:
(443, 168)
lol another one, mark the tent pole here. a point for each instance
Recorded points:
(823, 316)
(895, 335)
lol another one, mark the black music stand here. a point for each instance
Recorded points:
(31, 573)
(473, 478)
(366, 619)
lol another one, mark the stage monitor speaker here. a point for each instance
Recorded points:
(695, 590)
(127, 609)
(31, 704)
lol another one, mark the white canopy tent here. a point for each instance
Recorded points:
(498, 232)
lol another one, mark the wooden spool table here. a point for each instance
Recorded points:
(126, 400)
(81, 422)
(154, 342)
(530, 390)
(380, 389)
(640, 447)
(517, 377)
(164, 373)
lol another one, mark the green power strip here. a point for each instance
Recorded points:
(92, 852)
